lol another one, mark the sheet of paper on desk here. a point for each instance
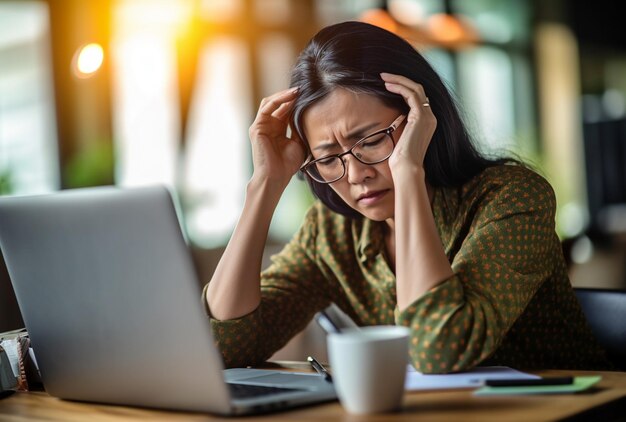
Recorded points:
(473, 378)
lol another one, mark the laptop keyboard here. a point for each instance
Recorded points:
(246, 391)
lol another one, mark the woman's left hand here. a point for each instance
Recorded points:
(420, 125)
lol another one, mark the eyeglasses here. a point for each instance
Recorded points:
(372, 149)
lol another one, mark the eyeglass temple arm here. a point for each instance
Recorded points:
(398, 121)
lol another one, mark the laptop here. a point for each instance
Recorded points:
(109, 295)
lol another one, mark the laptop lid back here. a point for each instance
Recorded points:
(110, 298)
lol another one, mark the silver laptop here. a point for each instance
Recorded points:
(110, 299)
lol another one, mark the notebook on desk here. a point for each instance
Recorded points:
(110, 298)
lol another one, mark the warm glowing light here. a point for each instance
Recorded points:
(451, 30)
(441, 29)
(163, 16)
(407, 12)
(381, 19)
(89, 59)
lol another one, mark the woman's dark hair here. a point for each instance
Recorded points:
(351, 55)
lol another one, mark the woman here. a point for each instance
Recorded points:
(412, 227)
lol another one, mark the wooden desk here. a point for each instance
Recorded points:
(605, 402)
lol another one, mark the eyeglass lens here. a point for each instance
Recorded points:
(370, 150)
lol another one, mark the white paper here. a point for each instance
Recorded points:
(473, 378)
(10, 347)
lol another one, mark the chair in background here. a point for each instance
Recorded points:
(605, 154)
(606, 312)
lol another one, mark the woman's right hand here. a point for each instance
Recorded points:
(275, 156)
(235, 287)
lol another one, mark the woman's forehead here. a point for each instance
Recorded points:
(342, 101)
(341, 110)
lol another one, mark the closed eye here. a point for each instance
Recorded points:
(373, 141)
(329, 161)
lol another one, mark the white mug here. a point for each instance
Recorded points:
(369, 367)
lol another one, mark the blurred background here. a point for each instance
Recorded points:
(138, 92)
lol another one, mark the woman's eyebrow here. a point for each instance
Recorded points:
(324, 146)
(355, 134)
(362, 131)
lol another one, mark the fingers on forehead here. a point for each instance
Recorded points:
(274, 101)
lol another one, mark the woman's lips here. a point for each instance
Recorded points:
(370, 198)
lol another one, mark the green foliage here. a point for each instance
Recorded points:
(91, 166)
(6, 184)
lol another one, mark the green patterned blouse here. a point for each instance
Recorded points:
(509, 302)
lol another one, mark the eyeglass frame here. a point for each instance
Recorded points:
(387, 131)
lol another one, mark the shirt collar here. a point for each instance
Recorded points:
(371, 239)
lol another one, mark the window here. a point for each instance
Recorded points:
(217, 149)
(28, 152)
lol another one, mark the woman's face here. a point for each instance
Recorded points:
(333, 126)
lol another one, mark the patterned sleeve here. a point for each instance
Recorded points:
(508, 253)
(292, 289)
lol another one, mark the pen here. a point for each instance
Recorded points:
(529, 382)
(319, 368)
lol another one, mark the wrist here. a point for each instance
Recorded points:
(407, 171)
(268, 189)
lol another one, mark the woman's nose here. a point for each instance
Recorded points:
(356, 171)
